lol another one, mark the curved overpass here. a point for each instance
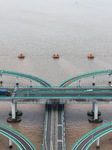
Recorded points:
(82, 76)
(22, 142)
(85, 142)
(27, 76)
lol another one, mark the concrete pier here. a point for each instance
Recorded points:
(98, 143)
(79, 82)
(93, 80)
(1, 80)
(13, 117)
(18, 112)
(91, 113)
(17, 81)
(110, 79)
(95, 118)
(10, 143)
(95, 110)
(30, 83)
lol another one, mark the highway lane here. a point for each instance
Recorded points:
(27, 76)
(60, 127)
(70, 94)
(79, 77)
(24, 143)
(54, 134)
(77, 93)
(85, 141)
(49, 130)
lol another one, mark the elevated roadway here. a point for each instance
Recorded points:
(26, 76)
(85, 142)
(76, 93)
(54, 138)
(22, 142)
(86, 75)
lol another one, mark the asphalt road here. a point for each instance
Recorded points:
(84, 142)
(22, 141)
(48, 134)
(78, 93)
(79, 77)
(60, 128)
(27, 76)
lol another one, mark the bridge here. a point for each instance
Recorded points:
(55, 98)
(22, 142)
(87, 75)
(23, 75)
(85, 142)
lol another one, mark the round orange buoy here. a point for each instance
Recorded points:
(90, 56)
(21, 56)
(56, 56)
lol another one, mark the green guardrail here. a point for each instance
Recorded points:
(85, 75)
(45, 130)
(59, 97)
(63, 123)
(57, 87)
(16, 142)
(72, 91)
(93, 139)
(19, 74)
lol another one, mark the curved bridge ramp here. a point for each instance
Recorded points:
(27, 76)
(86, 75)
(85, 142)
(22, 142)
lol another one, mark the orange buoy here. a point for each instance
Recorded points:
(90, 56)
(56, 56)
(21, 56)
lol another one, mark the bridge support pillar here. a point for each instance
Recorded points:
(98, 143)
(18, 112)
(109, 78)
(95, 110)
(91, 113)
(13, 118)
(17, 81)
(95, 117)
(13, 110)
(1, 81)
(79, 82)
(93, 80)
(10, 143)
(30, 83)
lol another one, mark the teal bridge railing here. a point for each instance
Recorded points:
(85, 75)
(16, 141)
(94, 138)
(27, 76)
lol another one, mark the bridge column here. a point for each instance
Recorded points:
(13, 105)
(98, 143)
(93, 80)
(1, 80)
(30, 83)
(94, 115)
(109, 78)
(91, 113)
(95, 110)
(17, 81)
(18, 112)
(79, 82)
(13, 117)
(10, 143)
